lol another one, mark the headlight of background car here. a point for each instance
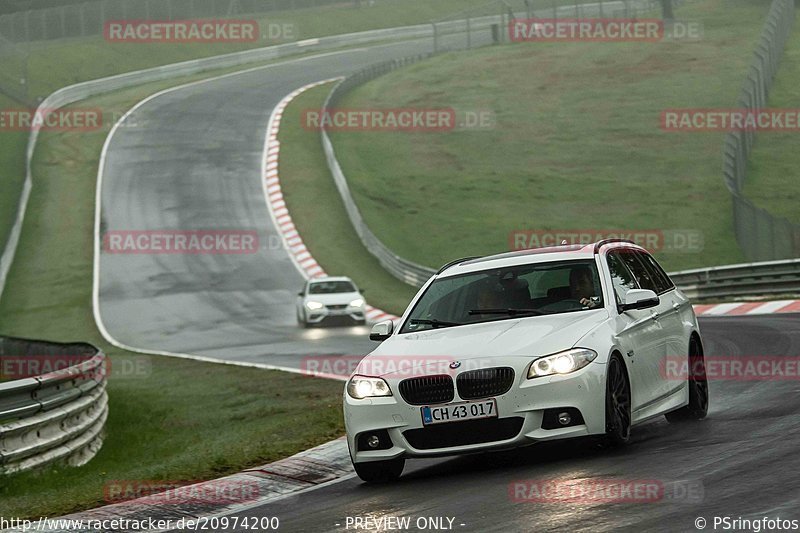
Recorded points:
(357, 303)
(360, 387)
(314, 305)
(561, 363)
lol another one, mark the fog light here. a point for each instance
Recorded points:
(373, 441)
(564, 419)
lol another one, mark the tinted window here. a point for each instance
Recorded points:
(541, 288)
(642, 274)
(331, 287)
(656, 272)
(621, 276)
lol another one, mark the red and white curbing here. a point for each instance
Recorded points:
(300, 255)
(309, 267)
(748, 308)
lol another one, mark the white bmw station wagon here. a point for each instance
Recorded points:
(507, 350)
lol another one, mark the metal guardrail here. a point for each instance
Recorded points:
(403, 269)
(767, 278)
(56, 416)
(761, 235)
(497, 15)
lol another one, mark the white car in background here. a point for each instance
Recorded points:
(330, 299)
(511, 349)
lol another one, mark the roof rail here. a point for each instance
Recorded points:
(457, 261)
(602, 243)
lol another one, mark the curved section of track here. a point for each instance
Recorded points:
(193, 162)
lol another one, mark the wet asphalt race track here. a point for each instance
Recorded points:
(192, 161)
(741, 461)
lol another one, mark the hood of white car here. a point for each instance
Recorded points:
(337, 298)
(520, 337)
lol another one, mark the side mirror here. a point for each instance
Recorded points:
(301, 293)
(639, 299)
(381, 331)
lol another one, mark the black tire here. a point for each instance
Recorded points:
(380, 471)
(697, 408)
(618, 403)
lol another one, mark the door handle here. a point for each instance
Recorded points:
(654, 315)
(676, 306)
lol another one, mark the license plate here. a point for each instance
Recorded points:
(458, 412)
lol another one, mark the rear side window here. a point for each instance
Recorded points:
(621, 276)
(656, 272)
(640, 272)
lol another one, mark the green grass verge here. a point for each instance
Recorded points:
(164, 425)
(577, 144)
(772, 175)
(318, 212)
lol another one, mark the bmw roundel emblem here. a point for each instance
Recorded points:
(455, 364)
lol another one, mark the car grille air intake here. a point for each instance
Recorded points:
(464, 433)
(484, 382)
(427, 390)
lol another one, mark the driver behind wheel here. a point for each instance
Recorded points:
(581, 286)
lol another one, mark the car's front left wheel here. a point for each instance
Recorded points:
(618, 403)
(380, 471)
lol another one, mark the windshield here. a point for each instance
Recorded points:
(510, 292)
(331, 287)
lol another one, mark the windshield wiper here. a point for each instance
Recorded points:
(509, 312)
(434, 322)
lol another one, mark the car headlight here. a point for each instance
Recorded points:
(313, 306)
(358, 302)
(561, 363)
(360, 387)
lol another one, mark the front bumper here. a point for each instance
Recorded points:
(356, 314)
(520, 416)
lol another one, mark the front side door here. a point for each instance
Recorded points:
(639, 334)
